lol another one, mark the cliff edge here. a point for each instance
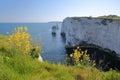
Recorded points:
(98, 31)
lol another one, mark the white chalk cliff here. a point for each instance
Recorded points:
(102, 32)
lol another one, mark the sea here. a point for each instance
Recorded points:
(53, 46)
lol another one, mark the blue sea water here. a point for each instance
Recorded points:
(53, 49)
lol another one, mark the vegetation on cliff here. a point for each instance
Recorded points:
(113, 17)
(108, 17)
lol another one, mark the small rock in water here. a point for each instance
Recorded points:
(54, 29)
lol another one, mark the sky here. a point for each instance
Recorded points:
(55, 10)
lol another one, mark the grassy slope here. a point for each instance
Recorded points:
(23, 67)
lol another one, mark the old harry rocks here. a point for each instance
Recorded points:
(102, 32)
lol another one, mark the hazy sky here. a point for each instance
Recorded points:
(54, 10)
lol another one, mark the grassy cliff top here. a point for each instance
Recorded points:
(112, 17)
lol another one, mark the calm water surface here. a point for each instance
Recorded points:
(52, 46)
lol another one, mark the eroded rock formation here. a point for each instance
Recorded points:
(102, 32)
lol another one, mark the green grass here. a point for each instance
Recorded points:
(108, 17)
(23, 67)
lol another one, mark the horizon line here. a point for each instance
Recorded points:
(32, 22)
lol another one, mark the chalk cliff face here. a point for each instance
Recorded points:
(102, 32)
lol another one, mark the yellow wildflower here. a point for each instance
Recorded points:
(37, 48)
(25, 28)
(78, 47)
(20, 40)
(81, 57)
(81, 60)
(94, 64)
(71, 55)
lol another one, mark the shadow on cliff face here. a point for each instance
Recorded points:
(104, 58)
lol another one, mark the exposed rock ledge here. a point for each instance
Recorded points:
(102, 32)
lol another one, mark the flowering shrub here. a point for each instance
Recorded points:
(81, 58)
(20, 40)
